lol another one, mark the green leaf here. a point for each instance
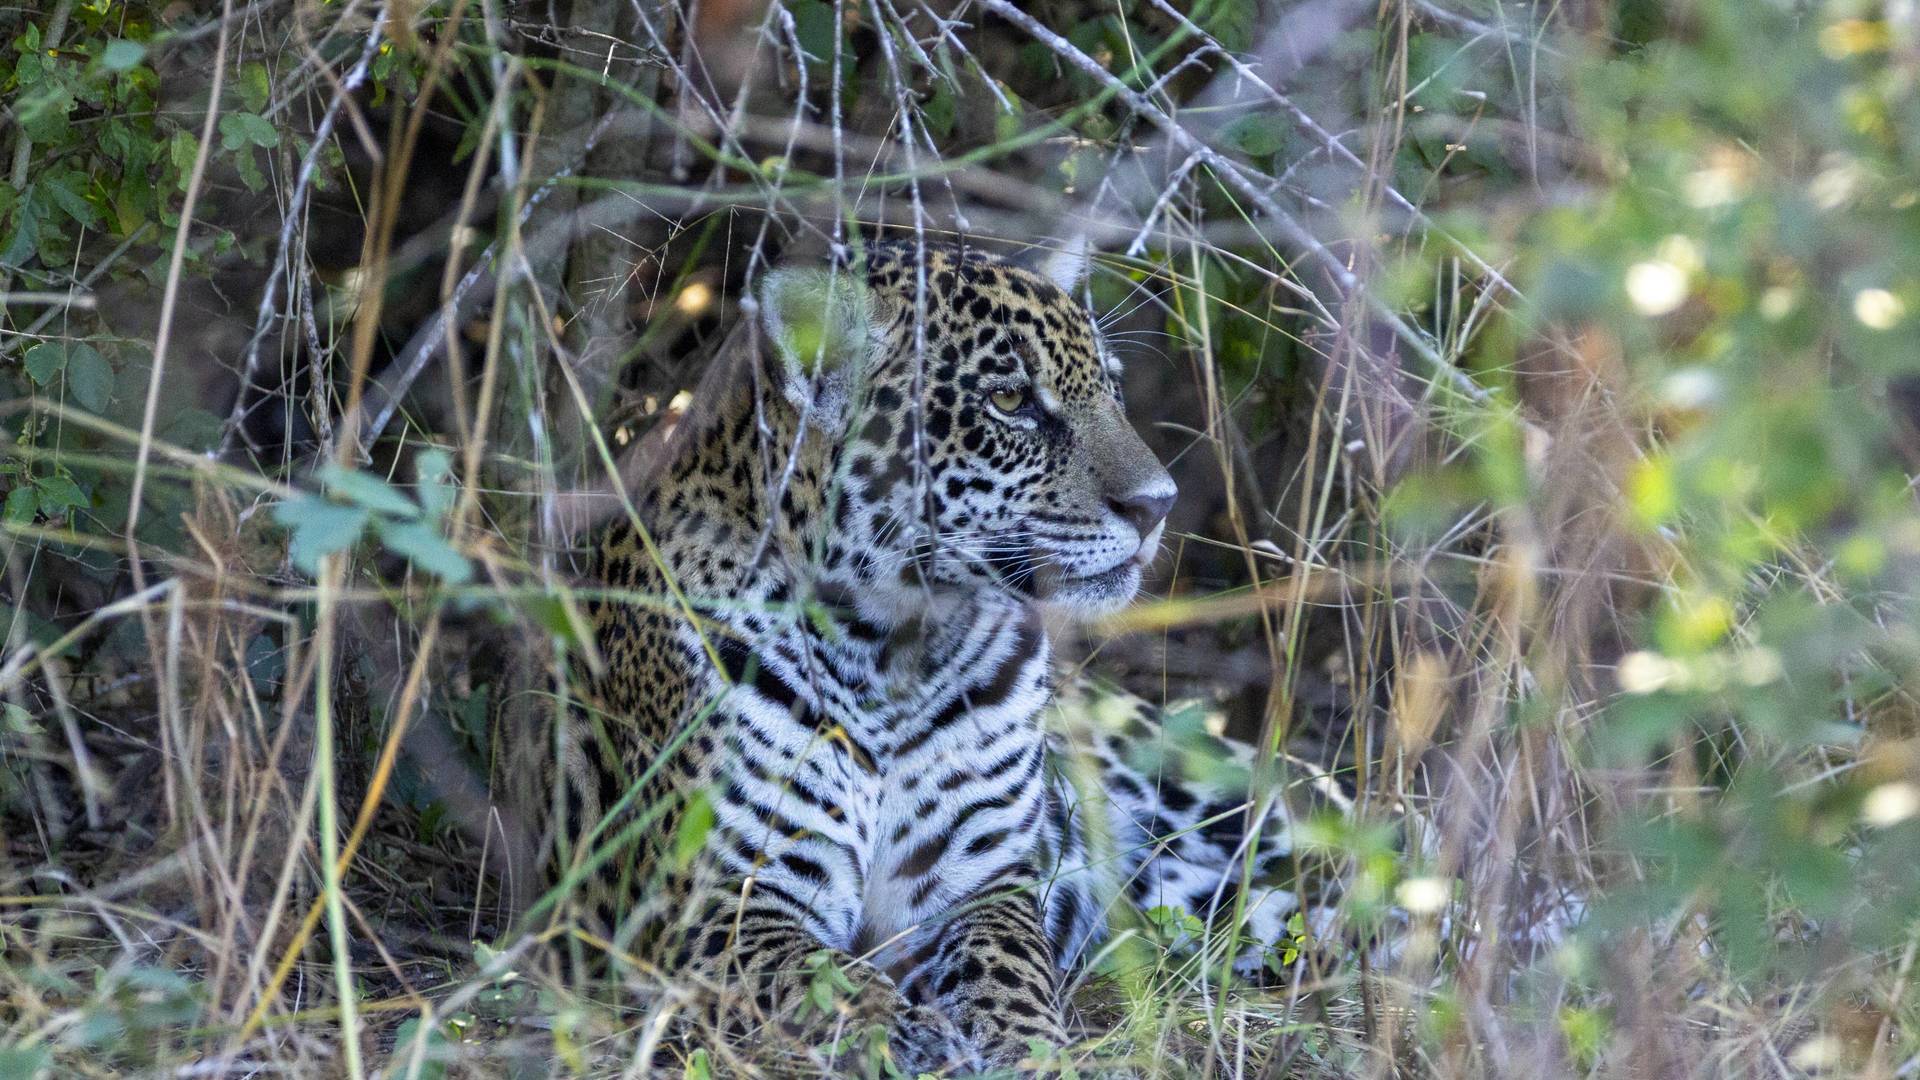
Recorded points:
(249, 169)
(181, 153)
(266, 662)
(28, 43)
(128, 212)
(22, 502)
(68, 190)
(194, 429)
(419, 544)
(25, 1062)
(28, 216)
(938, 112)
(557, 617)
(1009, 123)
(36, 629)
(320, 528)
(262, 132)
(420, 1051)
(44, 112)
(691, 834)
(58, 493)
(815, 28)
(1259, 134)
(89, 377)
(32, 68)
(1232, 23)
(238, 130)
(233, 132)
(19, 722)
(367, 490)
(254, 87)
(121, 55)
(44, 361)
(433, 470)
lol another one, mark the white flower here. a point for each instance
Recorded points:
(1890, 804)
(1656, 287)
(1777, 303)
(1759, 666)
(1689, 389)
(1643, 672)
(1423, 895)
(1878, 308)
(694, 299)
(1712, 186)
(1681, 251)
(1819, 1052)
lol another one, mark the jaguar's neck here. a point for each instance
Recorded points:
(741, 479)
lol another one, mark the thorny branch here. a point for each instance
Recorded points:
(291, 219)
(1289, 228)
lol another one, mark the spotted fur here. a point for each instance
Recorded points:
(830, 636)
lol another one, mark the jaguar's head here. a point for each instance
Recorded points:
(982, 439)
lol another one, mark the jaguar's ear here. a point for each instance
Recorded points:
(820, 323)
(1066, 265)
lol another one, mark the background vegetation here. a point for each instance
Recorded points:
(1537, 375)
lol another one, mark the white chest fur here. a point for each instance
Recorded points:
(881, 803)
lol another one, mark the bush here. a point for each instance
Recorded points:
(1538, 378)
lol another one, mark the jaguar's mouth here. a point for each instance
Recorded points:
(1101, 592)
(1059, 577)
(1092, 594)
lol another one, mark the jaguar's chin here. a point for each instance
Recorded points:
(1085, 594)
(1092, 595)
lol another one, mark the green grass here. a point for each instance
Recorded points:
(1537, 378)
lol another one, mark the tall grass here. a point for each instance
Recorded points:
(1535, 376)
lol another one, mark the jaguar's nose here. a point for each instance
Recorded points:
(1146, 507)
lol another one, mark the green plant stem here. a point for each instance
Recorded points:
(23, 148)
(329, 820)
(23, 143)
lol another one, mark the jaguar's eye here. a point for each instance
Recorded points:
(1009, 400)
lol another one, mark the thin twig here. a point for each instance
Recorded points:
(1305, 122)
(1290, 229)
(170, 297)
(290, 218)
(195, 33)
(23, 143)
(78, 300)
(93, 275)
(1473, 26)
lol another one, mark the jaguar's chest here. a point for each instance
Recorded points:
(915, 771)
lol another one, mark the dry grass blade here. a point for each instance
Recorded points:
(1537, 379)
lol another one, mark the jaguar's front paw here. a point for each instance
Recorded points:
(1009, 1052)
(923, 1040)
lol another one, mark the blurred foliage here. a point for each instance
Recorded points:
(1709, 212)
(1754, 254)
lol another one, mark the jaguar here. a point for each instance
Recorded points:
(818, 722)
